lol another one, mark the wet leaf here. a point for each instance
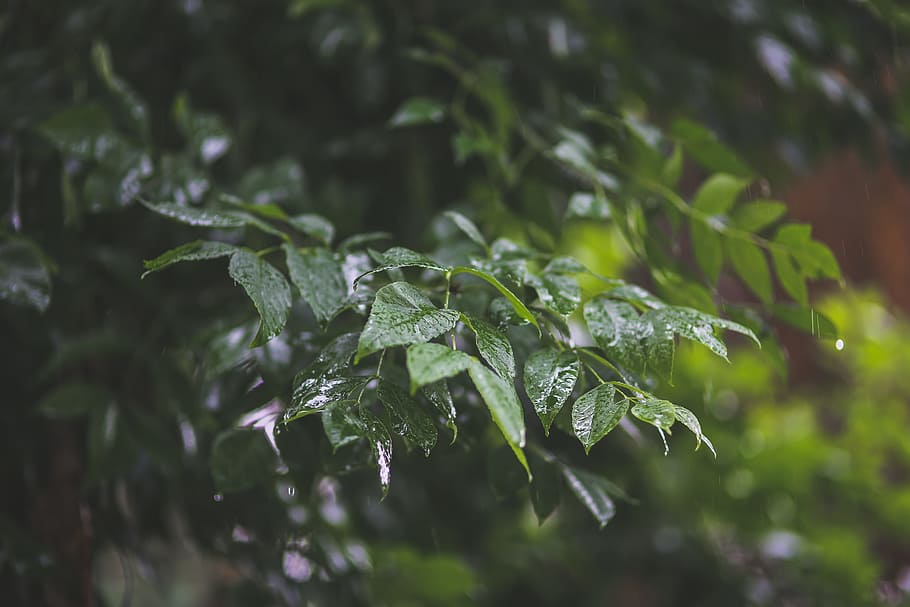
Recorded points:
(313, 394)
(549, 379)
(192, 251)
(658, 412)
(558, 293)
(597, 412)
(313, 225)
(520, 308)
(319, 277)
(593, 492)
(402, 315)
(441, 398)
(24, 276)
(198, 216)
(493, 346)
(339, 426)
(615, 327)
(409, 420)
(429, 363)
(505, 408)
(380, 441)
(400, 257)
(467, 226)
(268, 290)
(688, 419)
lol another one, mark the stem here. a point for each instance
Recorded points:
(446, 305)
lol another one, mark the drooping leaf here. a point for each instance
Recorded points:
(314, 225)
(658, 412)
(544, 488)
(24, 276)
(319, 277)
(400, 257)
(688, 419)
(704, 147)
(592, 492)
(418, 110)
(757, 215)
(718, 193)
(268, 290)
(520, 308)
(402, 315)
(504, 406)
(790, 276)
(192, 251)
(583, 205)
(558, 293)
(339, 426)
(814, 258)
(615, 327)
(751, 266)
(430, 362)
(441, 398)
(549, 379)
(409, 420)
(493, 346)
(706, 245)
(380, 444)
(597, 412)
(467, 226)
(241, 458)
(696, 326)
(313, 394)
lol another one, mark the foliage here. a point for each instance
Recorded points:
(263, 422)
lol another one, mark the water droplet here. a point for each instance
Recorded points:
(218, 497)
(291, 491)
(839, 344)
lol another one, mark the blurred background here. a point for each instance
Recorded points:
(290, 101)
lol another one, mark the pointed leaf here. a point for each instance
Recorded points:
(380, 444)
(319, 277)
(494, 347)
(751, 266)
(132, 103)
(718, 193)
(558, 293)
(400, 257)
(268, 290)
(549, 379)
(315, 226)
(517, 304)
(615, 327)
(312, 395)
(597, 412)
(428, 363)
(191, 251)
(467, 226)
(790, 277)
(658, 412)
(241, 458)
(409, 420)
(688, 419)
(565, 265)
(441, 398)
(504, 406)
(758, 215)
(592, 492)
(807, 319)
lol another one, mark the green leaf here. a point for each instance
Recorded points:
(313, 394)
(593, 492)
(380, 441)
(637, 295)
(78, 130)
(493, 346)
(339, 426)
(706, 245)
(807, 319)
(705, 148)
(697, 326)
(402, 315)
(198, 216)
(758, 215)
(549, 379)
(672, 168)
(241, 458)
(428, 363)
(790, 277)
(74, 399)
(565, 265)
(439, 396)
(718, 193)
(688, 419)
(24, 276)
(132, 103)
(319, 277)
(400, 257)
(517, 304)
(268, 290)
(815, 260)
(751, 266)
(615, 327)
(281, 181)
(418, 110)
(409, 420)
(315, 226)
(467, 226)
(504, 406)
(206, 134)
(192, 251)
(558, 293)
(583, 205)
(658, 412)
(597, 412)
(544, 489)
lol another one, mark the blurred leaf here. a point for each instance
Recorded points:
(704, 147)
(806, 319)
(198, 216)
(241, 458)
(592, 492)
(402, 315)
(707, 247)
(751, 266)
(544, 489)
(597, 412)
(281, 182)
(268, 290)
(313, 225)
(418, 110)
(583, 205)
(549, 379)
(758, 215)
(718, 193)
(135, 107)
(205, 133)
(74, 399)
(24, 276)
(790, 277)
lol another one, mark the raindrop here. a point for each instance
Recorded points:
(839, 344)
(218, 497)
(291, 491)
